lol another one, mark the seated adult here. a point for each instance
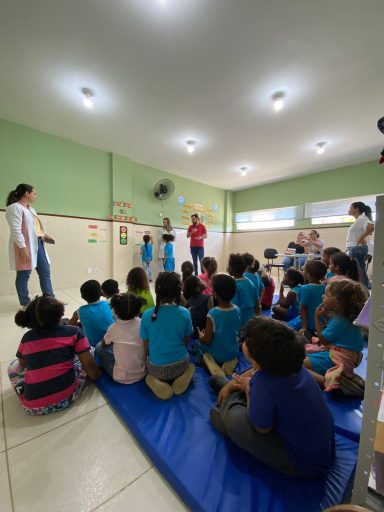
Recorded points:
(299, 248)
(313, 243)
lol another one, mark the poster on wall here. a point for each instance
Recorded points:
(121, 212)
(123, 235)
(207, 214)
(96, 234)
(138, 236)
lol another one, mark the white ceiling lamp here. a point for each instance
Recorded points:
(278, 101)
(244, 170)
(88, 95)
(320, 147)
(191, 145)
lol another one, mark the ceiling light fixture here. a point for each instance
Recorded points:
(191, 144)
(244, 170)
(320, 147)
(88, 95)
(278, 101)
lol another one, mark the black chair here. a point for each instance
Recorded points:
(270, 255)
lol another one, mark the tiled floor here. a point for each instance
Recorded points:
(82, 459)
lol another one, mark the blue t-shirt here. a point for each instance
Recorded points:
(95, 319)
(341, 332)
(294, 308)
(226, 326)
(168, 250)
(146, 252)
(246, 298)
(256, 280)
(295, 408)
(329, 274)
(311, 295)
(166, 335)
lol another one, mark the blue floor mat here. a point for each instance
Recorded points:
(209, 472)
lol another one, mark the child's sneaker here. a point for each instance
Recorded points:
(353, 387)
(229, 366)
(159, 388)
(212, 366)
(181, 384)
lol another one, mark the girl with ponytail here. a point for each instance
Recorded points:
(26, 244)
(343, 266)
(358, 233)
(53, 360)
(121, 352)
(209, 267)
(166, 330)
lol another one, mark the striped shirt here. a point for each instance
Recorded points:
(48, 357)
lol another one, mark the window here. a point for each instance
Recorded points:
(335, 212)
(268, 219)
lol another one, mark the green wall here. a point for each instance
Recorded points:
(72, 179)
(351, 181)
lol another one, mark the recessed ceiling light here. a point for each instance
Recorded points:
(244, 170)
(278, 101)
(320, 147)
(88, 95)
(191, 144)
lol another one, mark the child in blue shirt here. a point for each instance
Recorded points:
(169, 255)
(165, 331)
(343, 341)
(218, 342)
(252, 273)
(328, 252)
(276, 411)
(247, 295)
(147, 256)
(288, 307)
(96, 316)
(311, 296)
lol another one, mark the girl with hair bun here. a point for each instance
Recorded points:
(121, 352)
(358, 233)
(166, 330)
(26, 244)
(53, 360)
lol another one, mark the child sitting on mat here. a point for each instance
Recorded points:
(266, 299)
(187, 270)
(247, 295)
(197, 302)
(343, 266)
(96, 316)
(110, 287)
(209, 266)
(311, 296)
(137, 283)
(328, 252)
(341, 342)
(288, 307)
(276, 411)
(166, 330)
(252, 273)
(218, 343)
(53, 360)
(121, 352)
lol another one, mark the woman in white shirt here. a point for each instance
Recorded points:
(313, 243)
(363, 227)
(167, 230)
(26, 243)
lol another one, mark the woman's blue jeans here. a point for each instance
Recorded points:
(359, 252)
(42, 268)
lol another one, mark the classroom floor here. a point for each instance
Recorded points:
(79, 460)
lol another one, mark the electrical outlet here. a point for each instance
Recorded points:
(96, 270)
(89, 270)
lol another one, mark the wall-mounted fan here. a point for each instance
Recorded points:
(163, 189)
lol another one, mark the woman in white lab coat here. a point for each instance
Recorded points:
(26, 243)
(167, 230)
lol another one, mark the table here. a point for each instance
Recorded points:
(296, 258)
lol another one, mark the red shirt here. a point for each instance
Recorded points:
(200, 231)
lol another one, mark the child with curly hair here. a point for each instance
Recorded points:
(341, 341)
(288, 306)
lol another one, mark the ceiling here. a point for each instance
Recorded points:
(165, 71)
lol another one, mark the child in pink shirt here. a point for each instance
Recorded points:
(121, 352)
(209, 266)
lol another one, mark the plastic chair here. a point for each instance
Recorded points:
(270, 255)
